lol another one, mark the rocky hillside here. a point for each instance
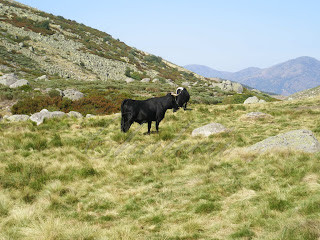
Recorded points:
(36, 42)
(284, 78)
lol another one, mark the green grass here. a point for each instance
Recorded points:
(84, 179)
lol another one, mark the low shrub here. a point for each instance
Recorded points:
(97, 103)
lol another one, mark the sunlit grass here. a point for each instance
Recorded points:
(84, 179)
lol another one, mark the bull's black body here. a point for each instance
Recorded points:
(182, 98)
(149, 110)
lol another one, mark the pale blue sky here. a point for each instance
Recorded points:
(223, 34)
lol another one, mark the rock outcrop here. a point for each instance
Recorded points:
(228, 86)
(45, 114)
(251, 100)
(75, 114)
(73, 94)
(209, 129)
(301, 140)
(11, 80)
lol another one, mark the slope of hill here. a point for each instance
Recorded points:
(284, 78)
(84, 179)
(43, 43)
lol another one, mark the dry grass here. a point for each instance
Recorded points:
(81, 179)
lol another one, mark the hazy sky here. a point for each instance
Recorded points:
(223, 34)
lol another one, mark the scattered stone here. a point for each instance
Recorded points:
(89, 115)
(19, 83)
(209, 129)
(301, 140)
(155, 80)
(45, 114)
(21, 44)
(251, 100)
(17, 118)
(8, 79)
(262, 101)
(129, 80)
(195, 83)
(37, 89)
(31, 49)
(72, 94)
(43, 77)
(256, 90)
(146, 80)
(255, 116)
(75, 114)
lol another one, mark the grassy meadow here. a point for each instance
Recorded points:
(84, 179)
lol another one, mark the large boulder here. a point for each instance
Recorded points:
(8, 79)
(19, 83)
(45, 114)
(73, 94)
(251, 100)
(209, 129)
(301, 140)
(18, 118)
(237, 87)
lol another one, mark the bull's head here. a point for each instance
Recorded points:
(174, 103)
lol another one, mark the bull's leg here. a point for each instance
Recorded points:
(157, 126)
(149, 127)
(185, 106)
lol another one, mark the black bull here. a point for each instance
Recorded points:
(142, 111)
(182, 98)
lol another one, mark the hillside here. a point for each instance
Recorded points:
(35, 42)
(84, 179)
(284, 78)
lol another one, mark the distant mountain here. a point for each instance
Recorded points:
(285, 78)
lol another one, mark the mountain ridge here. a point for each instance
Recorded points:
(284, 78)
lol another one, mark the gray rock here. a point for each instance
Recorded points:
(256, 90)
(155, 80)
(146, 80)
(43, 77)
(255, 115)
(301, 140)
(21, 44)
(74, 114)
(19, 83)
(129, 80)
(209, 129)
(73, 94)
(18, 118)
(262, 101)
(237, 87)
(251, 100)
(45, 114)
(89, 115)
(9, 79)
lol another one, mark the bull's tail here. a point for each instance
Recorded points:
(124, 116)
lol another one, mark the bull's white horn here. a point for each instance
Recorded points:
(174, 94)
(179, 88)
